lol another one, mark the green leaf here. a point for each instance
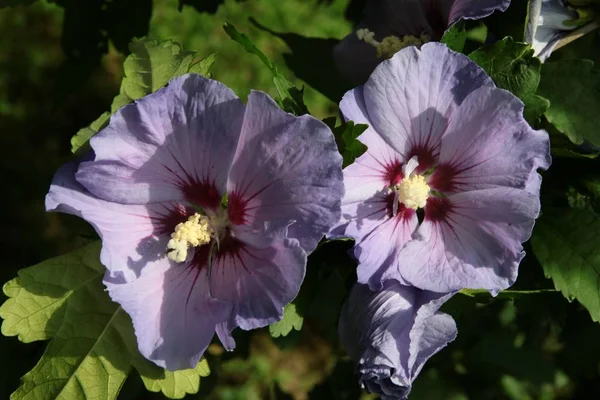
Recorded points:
(203, 66)
(512, 66)
(9, 3)
(573, 88)
(174, 385)
(290, 97)
(562, 147)
(152, 64)
(346, 138)
(93, 346)
(585, 193)
(39, 297)
(565, 242)
(291, 320)
(149, 67)
(79, 142)
(455, 37)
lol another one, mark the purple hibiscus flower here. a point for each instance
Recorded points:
(183, 262)
(389, 25)
(392, 333)
(445, 142)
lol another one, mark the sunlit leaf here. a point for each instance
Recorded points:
(149, 67)
(80, 140)
(455, 37)
(346, 137)
(291, 320)
(512, 67)
(93, 347)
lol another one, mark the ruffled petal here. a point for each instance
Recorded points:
(545, 40)
(489, 144)
(411, 97)
(373, 172)
(475, 9)
(391, 333)
(379, 238)
(432, 330)
(132, 235)
(383, 161)
(174, 144)
(286, 169)
(367, 205)
(258, 275)
(173, 316)
(472, 241)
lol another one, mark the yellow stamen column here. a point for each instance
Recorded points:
(196, 231)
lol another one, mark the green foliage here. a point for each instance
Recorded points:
(565, 242)
(562, 147)
(79, 142)
(584, 193)
(173, 384)
(573, 88)
(346, 137)
(584, 47)
(512, 67)
(149, 67)
(290, 97)
(92, 347)
(291, 320)
(8, 3)
(497, 354)
(455, 37)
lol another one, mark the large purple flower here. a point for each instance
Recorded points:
(389, 25)
(391, 334)
(181, 262)
(444, 141)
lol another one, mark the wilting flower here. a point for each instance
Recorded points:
(551, 20)
(391, 334)
(390, 25)
(444, 143)
(206, 209)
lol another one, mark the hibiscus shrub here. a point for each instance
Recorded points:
(431, 232)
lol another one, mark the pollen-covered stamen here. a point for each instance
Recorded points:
(412, 191)
(390, 45)
(196, 231)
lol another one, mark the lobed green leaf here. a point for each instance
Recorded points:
(92, 347)
(291, 320)
(350, 147)
(148, 68)
(455, 37)
(511, 66)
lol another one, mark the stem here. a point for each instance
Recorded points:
(576, 34)
(506, 293)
